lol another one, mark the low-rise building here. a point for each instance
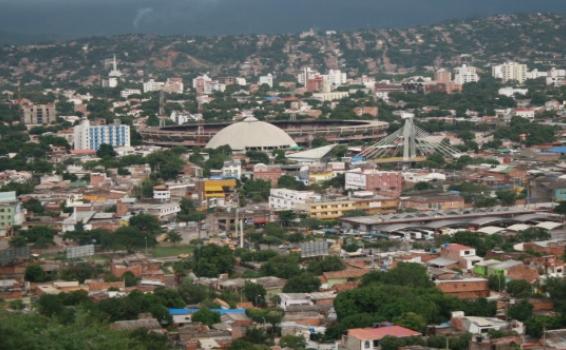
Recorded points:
(269, 173)
(465, 288)
(369, 338)
(466, 256)
(440, 201)
(286, 199)
(381, 182)
(333, 209)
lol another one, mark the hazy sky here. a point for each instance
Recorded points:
(71, 18)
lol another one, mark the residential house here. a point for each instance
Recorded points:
(464, 255)
(369, 338)
(465, 288)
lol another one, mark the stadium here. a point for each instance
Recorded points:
(302, 132)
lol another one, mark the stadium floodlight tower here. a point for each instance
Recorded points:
(407, 145)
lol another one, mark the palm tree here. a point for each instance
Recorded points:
(174, 237)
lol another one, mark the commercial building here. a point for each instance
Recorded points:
(216, 188)
(285, 199)
(442, 201)
(333, 209)
(382, 182)
(90, 137)
(39, 114)
(10, 212)
(266, 80)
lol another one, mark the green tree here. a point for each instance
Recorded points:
(206, 316)
(560, 208)
(295, 342)
(188, 211)
(257, 157)
(255, 293)
(33, 205)
(174, 237)
(165, 164)
(412, 321)
(34, 273)
(327, 263)
(283, 266)
(212, 260)
(290, 182)
(496, 282)
(146, 223)
(519, 289)
(303, 283)
(256, 190)
(130, 279)
(105, 151)
(521, 311)
(506, 197)
(193, 293)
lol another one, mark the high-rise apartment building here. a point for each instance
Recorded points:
(39, 114)
(90, 137)
(465, 74)
(510, 71)
(10, 212)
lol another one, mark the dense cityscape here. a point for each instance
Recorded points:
(374, 189)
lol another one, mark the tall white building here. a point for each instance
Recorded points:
(336, 78)
(266, 79)
(90, 137)
(305, 75)
(465, 74)
(510, 71)
(204, 85)
(151, 85)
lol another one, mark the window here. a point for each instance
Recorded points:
(367, 344)
(466, 252)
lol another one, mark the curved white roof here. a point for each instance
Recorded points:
(251, 134)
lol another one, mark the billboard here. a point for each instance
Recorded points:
(313, 249)
(80, 251)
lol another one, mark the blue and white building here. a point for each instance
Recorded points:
(90, 137)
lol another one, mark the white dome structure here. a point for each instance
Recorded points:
(251, 134)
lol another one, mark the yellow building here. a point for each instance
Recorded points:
(338, 208)
(217, 188)
(321, 177)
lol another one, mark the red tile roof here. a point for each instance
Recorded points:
(381, 332)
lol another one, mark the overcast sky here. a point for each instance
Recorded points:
(72, 18)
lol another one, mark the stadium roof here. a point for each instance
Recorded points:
(312, 155)
(251, 134)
